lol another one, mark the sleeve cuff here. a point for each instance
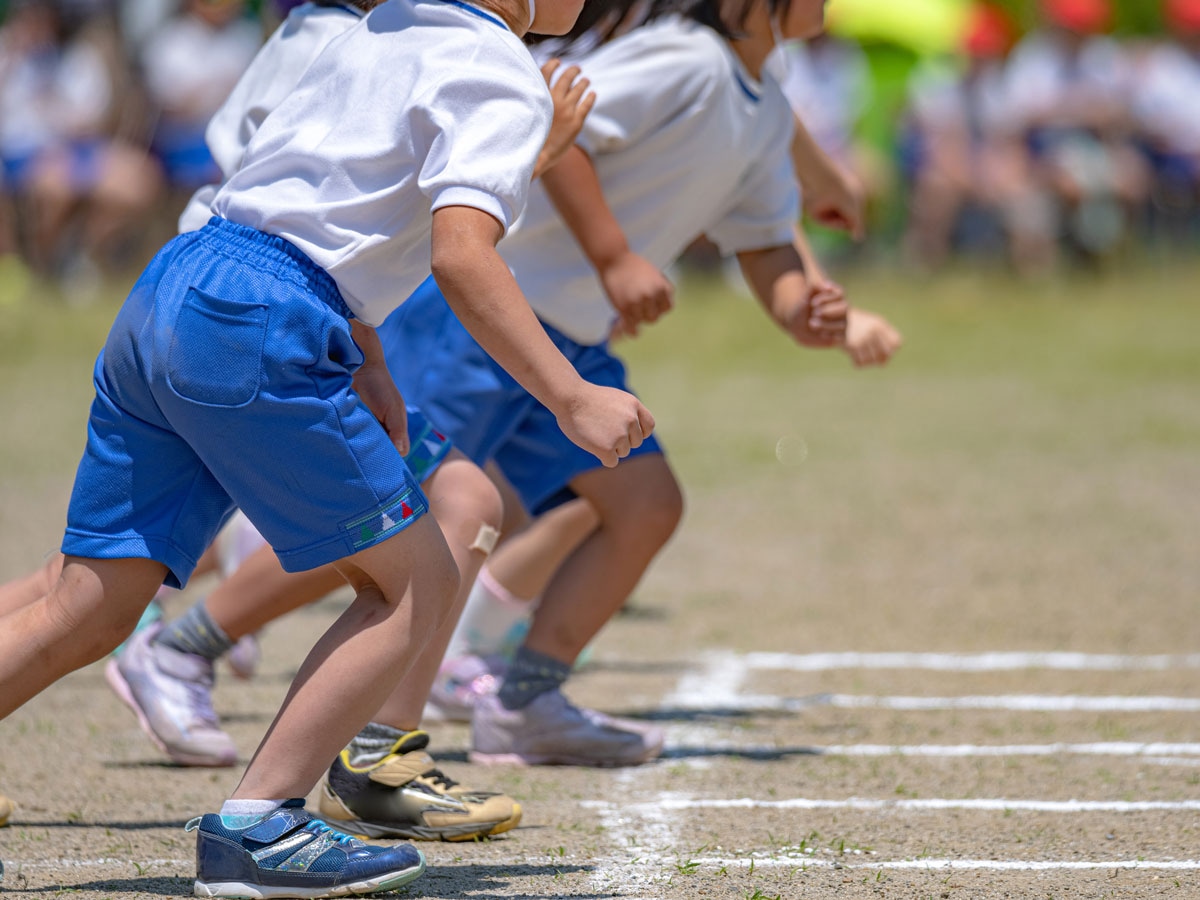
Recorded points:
(476, 199)
(740, 240)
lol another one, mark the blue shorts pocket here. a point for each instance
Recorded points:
(216, 354)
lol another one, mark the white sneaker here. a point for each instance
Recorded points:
(552, 731)
(171, 694)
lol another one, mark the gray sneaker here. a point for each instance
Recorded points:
(551, 731)
(171, 694)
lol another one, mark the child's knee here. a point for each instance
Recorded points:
(662, 510)
(650, 514)
(469, 508)
(486, 512)
(94, 629)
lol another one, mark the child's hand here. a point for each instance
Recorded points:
(836, 199)
(638, 291)
(374, 385)
(572, 103)
(821, 321)
(606, 422)
(870, 339)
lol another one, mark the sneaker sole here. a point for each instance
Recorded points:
(116, 681)
(467, 832)
(236, 890)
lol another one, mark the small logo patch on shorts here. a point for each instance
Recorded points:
(383, 523)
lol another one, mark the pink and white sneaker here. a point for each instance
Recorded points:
(551, 731)
(171, 695)
(459, 683)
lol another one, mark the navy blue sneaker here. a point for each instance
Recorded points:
(291, 854)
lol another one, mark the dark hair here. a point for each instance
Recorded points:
(362, 5)
(602, 20)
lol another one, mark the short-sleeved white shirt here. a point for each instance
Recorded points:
(51, 97)
(190, 66)
(273, 75)
(1041, 77)
(685, 143)
(1167, 98)
(829, 87)
(423, 104)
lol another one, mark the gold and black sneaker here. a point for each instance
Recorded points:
(405, 795)
(6, 810)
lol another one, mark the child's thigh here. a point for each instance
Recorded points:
(141, 492)
(416, 562)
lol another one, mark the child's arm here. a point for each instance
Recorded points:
(814, 317)
(637, 289)
(373, 383)
(870, 338)
(832, 196)
(572, 103)
(808, 257)
(481, 290)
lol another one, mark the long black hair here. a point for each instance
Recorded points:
(602, 20)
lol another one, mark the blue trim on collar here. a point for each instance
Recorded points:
(746, 89)
(479, 12)
(350, 8)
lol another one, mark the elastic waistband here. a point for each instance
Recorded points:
(271, 247)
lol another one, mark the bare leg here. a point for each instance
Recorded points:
(639, 505)
(25, 590)
(462, 499)
(526, 562)
(260, 591)
(404, 587)
(92, 607)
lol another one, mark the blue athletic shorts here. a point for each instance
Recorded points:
(440, 368)
(226, 380)
(427, 446)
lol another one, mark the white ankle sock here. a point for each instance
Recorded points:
(242, 813)
(491, 617)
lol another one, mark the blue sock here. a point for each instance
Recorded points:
(195, 632)
(529, 676)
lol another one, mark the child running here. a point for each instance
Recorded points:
(686, 138)
(244, 370)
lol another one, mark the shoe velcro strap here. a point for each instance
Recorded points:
(273, 827)
(397, 770)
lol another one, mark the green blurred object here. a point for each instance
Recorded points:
(923, 26)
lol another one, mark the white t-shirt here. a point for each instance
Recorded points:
(828, 84)
(1167, 99)
(423, 104)
(1042, 77)
(942, 98)
(52, 97)
(273, 75)
(190, 66)
(685, 143)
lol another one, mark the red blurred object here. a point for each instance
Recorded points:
(990, 33)
(1182, 16)
(1083, 16)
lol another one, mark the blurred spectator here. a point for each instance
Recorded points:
(827, 81)
(1069, 94)
(190, 64)
(1167, 106)
(963, 160)
(77, 185)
